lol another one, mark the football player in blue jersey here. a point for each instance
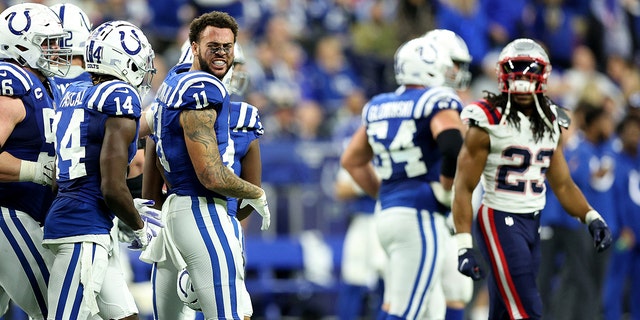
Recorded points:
(513, 142)
(409, 134)
(191, 125)
(96, 127)
(245, 129)
(458, 289)
(78, 26)
(29, 37)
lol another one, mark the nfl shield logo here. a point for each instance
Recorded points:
(508, 221)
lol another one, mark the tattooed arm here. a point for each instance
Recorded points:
(202, 145)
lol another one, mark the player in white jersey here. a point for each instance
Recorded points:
(191, 126)
(29, 37)
(413, 137)
(512, 145)
(458, 289)
(96, 128)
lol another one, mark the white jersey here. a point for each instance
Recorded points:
(514, 175)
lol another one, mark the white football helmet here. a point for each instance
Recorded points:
(421, 61)
(523, 67)
(459, 53)
(30, 34)
(76, 23)
(120, 49)
(186, 292)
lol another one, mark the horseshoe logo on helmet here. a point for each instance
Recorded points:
(16, 31)
(124, 46)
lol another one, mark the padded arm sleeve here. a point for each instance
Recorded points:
(449, 143)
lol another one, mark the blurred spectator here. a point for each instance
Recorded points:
(627, 76)
(592, 166)
(506, 19)
(166, 18)
(560, 29)
(486, 80)
(622, 285)
(583, 81)
(414, 18)
(609, 32)
(373, 45)
(328, 79)
(468, 19)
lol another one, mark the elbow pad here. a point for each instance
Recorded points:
(449, 143)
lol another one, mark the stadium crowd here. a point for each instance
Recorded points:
(313, 64)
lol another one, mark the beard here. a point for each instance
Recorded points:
(204, 66)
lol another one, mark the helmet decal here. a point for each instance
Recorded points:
(124, 45)
(12, 15)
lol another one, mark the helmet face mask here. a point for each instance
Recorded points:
(523, 68)
(460, 77)
(30, 34)
(76, 23)
(120, 49)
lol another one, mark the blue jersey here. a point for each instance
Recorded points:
(627, 186)
(245, 126)
(60, 85)
(80, 127)
(342, 135)
(187, 90)
(30, 140)
(584, 160)
(406, 155)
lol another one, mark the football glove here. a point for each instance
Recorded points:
(468, 261)
(37, 172)
(149, 214)
(261, 206)
(599, 231)
(142, 237)
(443, 196)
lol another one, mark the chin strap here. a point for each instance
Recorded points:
(507, 109)
(541, 113)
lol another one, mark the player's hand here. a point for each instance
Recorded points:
(142, 237)
(149, 214)
(38, 172)
(601, 234)
(125, 233)
(468, 264)
(468, 258)
(443, 196)
(261, 206)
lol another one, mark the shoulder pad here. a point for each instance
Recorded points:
(563, 118)
(116, 98)
(198, 90)
(244, 116)
(19, 80)
(480, 114)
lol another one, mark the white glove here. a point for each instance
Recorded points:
(443, 196)
(261, 206)
(142, 237)
(152, 224)
(149, 214)
(37, 172)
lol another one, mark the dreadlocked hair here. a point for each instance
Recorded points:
(538, 124)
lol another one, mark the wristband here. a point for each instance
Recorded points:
(28, 170)
(592, 215)
(463, 240)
